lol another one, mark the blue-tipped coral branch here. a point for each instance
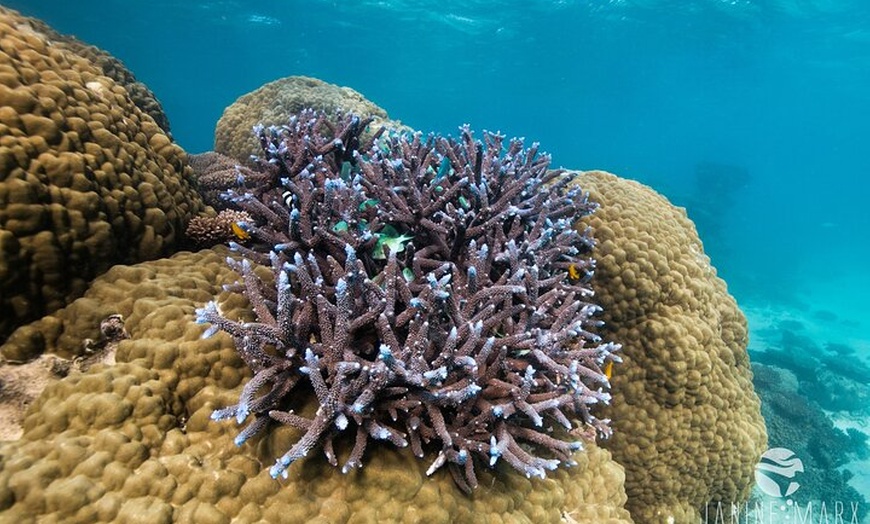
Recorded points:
(429, 292)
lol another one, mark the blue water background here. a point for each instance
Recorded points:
(777, 89)
(773, 94)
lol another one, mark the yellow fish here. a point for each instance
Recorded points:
(573, 272)
(239, 232)
(608, 369)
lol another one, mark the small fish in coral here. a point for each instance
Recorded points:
(240, 232)
(608, 369)
(573, 272)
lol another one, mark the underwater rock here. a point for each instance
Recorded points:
(88, 180)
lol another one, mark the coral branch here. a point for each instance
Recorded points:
(425, 289)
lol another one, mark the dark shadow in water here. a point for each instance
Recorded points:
(713, 198)
(715, 192)
(835, 381)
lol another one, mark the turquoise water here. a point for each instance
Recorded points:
(752, 114)
(647, 89)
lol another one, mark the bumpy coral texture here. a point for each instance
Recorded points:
(134, 442)
(86, 179)
(687, 423)
(272, 103)
(141, 95)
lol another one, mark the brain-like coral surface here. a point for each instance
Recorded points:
(272, 104)
(134, 442)
(111, 66)
(687, 423)
(86, 179)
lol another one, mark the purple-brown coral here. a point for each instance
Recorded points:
(215, 174)
(431, 292)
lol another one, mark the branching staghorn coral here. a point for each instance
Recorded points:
(432, 293)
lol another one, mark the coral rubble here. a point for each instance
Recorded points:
(429, 292)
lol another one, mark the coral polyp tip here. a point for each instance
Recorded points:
(426, 290)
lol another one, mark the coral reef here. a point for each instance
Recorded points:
(88, 180)
(799, 424)
(839, 381)
(272, 104)
(155, 404)
(431, 293)
(687, 424)
(810, 392)
(134, 442)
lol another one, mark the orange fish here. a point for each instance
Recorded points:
(239, 232)
(573, 272)
(608, 369)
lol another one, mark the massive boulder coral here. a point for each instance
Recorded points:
(86, 179)
(271, 105)
(134, 441)
(687, 424)
(111, 66)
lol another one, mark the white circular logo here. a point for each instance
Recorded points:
(774, 472)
